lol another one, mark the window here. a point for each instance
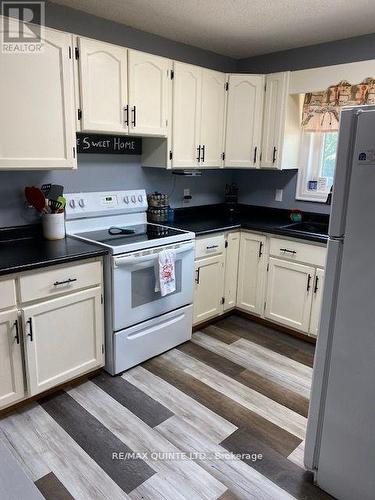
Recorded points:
(317, 165)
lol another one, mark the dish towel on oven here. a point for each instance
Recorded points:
(165, 281)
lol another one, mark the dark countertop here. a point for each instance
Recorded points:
(24, 248)
(216, 218)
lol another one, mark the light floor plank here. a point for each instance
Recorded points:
(184, 475)
(297, 455)
(245, 482)
(181, 404)
(81, 475)
(274, 366)
(267, 408)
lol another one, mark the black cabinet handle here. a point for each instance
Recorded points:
(260, 249)
(17, 337)
(30, 334)
(203, 152)
(126, 111)
(274, 154)
(69, 280)
(288, 251)
(308, 282)
(199, 153)
(134, 116)
(316, 284)
(255, 154)
(197, 272)
(211, 247)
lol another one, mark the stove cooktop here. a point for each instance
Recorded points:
(125, 235)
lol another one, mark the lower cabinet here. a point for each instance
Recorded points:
(316, 302)
(209, 288)
(251, 273)
(289, 293)
(11, 370)
(231, 270)
(63, 338)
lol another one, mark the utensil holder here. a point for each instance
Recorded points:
(53, 226)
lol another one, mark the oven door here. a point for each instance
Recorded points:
(133, 294)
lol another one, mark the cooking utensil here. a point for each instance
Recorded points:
(54, 206)
(45, 189)
(56, 190)
(36, 198)
(61, 200)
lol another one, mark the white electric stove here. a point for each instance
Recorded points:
(140, 323)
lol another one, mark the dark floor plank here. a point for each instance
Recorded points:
(261, 384)
(277, 341)
(52, 489)
(147, 409)
(280, 470)
(97, 441)
(264, 430)
(220, 334)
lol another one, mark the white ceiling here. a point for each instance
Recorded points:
(239, 28)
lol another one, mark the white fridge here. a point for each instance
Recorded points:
(340, 440)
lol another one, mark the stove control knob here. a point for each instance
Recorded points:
(72, 203)
(81, 203)
(126, 199)
(134, 199)
(140, 198)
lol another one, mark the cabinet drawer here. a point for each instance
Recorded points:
(7, 294)
(209, 245)
(298, 251)
(59, 280)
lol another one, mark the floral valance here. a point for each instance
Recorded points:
(321, 110)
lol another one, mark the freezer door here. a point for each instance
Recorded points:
(322, 356)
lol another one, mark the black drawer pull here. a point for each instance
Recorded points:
(17, 336)
(274, 154)
(260, 249)
(288, 251)
(255, 154)
(212, 247)
(30, 334)
(316, 284)
(66, 282)
(308, 282)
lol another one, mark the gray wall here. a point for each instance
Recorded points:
(107, 172)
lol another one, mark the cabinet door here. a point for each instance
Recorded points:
(37, 106)
(316, 302)
(289, 293)
(103, 86)
(149, 84)
(231, 269)
(209, 288)
(277, 85)
(63, 338)
(186, 115)
(244, 120)
(212, 118)
(251, 273)
(11, 372)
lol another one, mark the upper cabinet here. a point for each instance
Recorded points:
(244, 121)
(37, 106)
(198, 117)
(149, 80)
(103, 86)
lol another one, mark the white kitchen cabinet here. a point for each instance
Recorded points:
(37, 126)
(149, 81)
(316, 302)
(281, 124)
(103, 86)
(63, 338)
(11, 371)
(244, 121)
(212, 118)
(209, 288)
(251, 273)
(289, 293)
(231, 269)
(187, 88)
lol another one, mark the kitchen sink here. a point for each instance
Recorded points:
(308, 227)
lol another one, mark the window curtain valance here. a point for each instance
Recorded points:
(321, 110)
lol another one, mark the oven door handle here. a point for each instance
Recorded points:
(131, 259)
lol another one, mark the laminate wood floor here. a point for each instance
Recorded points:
(220, 417)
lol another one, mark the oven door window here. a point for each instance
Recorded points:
(143, 285)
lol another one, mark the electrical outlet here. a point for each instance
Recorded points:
(279, 195)
(186, 192)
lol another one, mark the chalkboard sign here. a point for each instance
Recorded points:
(109, 144)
